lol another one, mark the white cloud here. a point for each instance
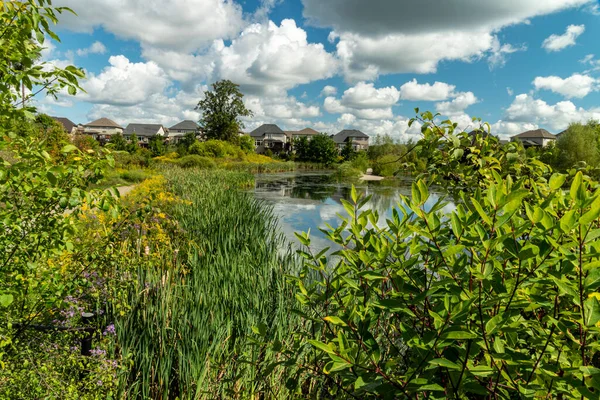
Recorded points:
(334, 106)
(526, 109)
(181, 25)
(559, 42)
(125, 83)
(460, 103)
(263, 58)
(383, 36)
(576, 85)
(365, 95)
(506, 129)
(415, 91)
(591, 61)
(383, 17)
(498, 53)
(510, 91)
(329, 91)
(95, 48)
(365, 58)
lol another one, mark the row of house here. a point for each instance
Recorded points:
(102, 129)
(267, 136)
(270, 136)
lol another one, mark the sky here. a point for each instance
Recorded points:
(335, 64)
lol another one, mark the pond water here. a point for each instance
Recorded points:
(308, 200)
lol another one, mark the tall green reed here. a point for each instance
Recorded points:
(188, 332)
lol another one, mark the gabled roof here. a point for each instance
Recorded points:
(342, 137)
(266, 128)
(104, 122)
(186, 125)
(66, 123)
(535, 134)
(305, 132)
(143, 129)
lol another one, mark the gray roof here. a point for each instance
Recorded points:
(186, 125)
(342, 137)
(104, 123)
(143, 129)
(266, 128)
(305, 132)
(66, 123)
(535, 134)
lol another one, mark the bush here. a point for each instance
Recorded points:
(195, 161)
(216, 149)
(85, 142)
(135, 175)
(346, 170)
(268, 153)
(123, 159)
(386, 165)
(360, 161)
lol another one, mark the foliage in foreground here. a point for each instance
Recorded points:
(498, 298)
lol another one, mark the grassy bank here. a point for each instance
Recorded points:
(187, 333)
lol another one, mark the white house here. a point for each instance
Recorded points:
(102, 129)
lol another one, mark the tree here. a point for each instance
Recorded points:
(157, 146)
(301, 148)
(221, 111)
(133, 146)
(183, 146)
(246, 143)
(579, 143)
(322, 149)
(348, 152)
(118, 142)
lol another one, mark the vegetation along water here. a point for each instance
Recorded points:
(471, 272)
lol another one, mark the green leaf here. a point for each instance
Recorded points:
(557, 180)
(592, 280)
(68, 148)
(577, 188)
(321, 346)
(592, 214)
(432, 387)
(442, 362)
(6, 300)
(480, 211)
(459, 335)
(592, 311)
(335, 320)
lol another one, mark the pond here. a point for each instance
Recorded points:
(309, 200)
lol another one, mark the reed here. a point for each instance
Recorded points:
(188, 332)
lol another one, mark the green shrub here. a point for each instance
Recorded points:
(386, 165)
(135, 175)
(216, 149)
(195, 161)
(269, 153)
(347, 170)
(126, 160)
(361, 161)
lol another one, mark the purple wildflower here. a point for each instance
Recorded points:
(110, 330)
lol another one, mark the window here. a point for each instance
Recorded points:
(258, 143)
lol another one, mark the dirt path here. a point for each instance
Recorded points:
(124, 190)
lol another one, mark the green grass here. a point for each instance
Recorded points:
(187, 335)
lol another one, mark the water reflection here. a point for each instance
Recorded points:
(304, 201)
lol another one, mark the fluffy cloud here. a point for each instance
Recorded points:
(526, 109)
(329, 91)
(382, 17)
(364, 101)
(95, 48)
(576, 85)
(264, 57)
(185, 25)
(591, 61)
(506, 129)
(559, 42)
(125, 83)
(385, 36)
(365, 58)
(460, 103)
(415, 91)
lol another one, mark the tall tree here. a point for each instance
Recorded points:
(579, 143)
(221, 111)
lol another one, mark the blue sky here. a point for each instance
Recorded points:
(518, 64)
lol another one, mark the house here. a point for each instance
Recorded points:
(359, 140)
(269, 136)
(535, 138)
(144, 132)
(69, 126)
(178, 131)
(102, 129)
(306, 132)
